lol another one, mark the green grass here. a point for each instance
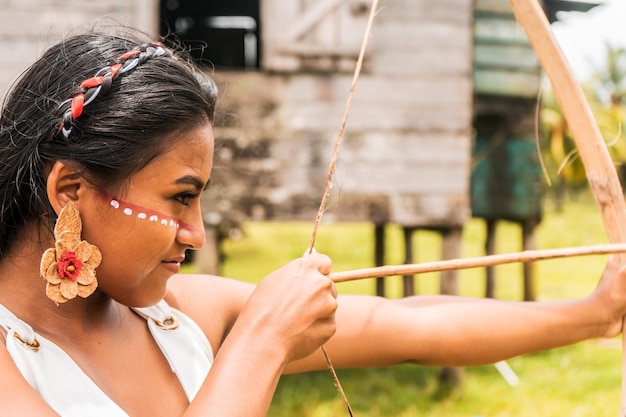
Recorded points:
(579, 380)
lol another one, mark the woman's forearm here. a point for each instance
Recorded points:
(486, 331)
(242, 380)
(450, 331)
(279, 322)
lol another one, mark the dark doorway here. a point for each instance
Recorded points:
(219, 33)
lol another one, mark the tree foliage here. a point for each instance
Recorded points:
(606, 93)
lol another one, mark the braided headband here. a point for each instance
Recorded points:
(100, 83)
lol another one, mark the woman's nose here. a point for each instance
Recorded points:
(192, 234)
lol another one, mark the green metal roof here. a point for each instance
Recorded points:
(552, 7)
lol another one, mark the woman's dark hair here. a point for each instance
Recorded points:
(117, 133)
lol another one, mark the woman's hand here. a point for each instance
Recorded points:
(289, 315)
(610, 296)
(294, 307)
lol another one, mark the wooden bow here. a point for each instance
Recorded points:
(594, 154)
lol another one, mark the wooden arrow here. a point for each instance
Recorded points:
(481, 261)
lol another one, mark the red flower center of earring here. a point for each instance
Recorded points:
(69, 266)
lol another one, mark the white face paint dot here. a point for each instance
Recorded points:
(154, 218)
(164, 222)
(128, 211)
(115, 204)
(172, 223)
(142, 216)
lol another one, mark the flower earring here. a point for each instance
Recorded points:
(69, 267)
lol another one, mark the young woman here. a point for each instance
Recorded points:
(106, 146)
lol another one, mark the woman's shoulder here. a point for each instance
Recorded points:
(205, 291)
(16, 395)
(212, 302)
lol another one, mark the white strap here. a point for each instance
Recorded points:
(185, 346)
(71, 393)
(9, 322)
(53, 374)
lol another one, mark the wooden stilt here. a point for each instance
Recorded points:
(408, 280)
(379, 256)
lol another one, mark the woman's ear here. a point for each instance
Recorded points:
(62, 185)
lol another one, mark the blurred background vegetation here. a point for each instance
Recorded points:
(606, 94)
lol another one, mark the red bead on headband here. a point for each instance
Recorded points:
(100, 83)
(77, 105)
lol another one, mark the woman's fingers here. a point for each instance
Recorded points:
(296, 305)
(323, 263)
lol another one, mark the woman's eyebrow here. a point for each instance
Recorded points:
(197, 182)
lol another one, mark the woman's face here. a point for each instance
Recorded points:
(144, 233)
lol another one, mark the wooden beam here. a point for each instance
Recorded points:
(311, 18)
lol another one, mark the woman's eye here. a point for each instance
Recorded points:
(185, 197)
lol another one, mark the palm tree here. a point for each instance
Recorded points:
(608, 84)
(607, 90)
(606, 93)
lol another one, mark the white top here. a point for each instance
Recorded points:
(71, 393)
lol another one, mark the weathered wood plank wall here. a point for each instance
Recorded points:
(406, 153)
(505, 63)
(27, 27)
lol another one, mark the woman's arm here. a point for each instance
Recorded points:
(16, 396)
(255, 334)
(455, 331)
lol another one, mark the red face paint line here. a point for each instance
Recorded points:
(142, 213)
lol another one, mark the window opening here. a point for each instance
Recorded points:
(223, 34)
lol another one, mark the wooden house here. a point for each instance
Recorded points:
(406, 154)
(442, 125)
(507, 181)
(441, 80)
